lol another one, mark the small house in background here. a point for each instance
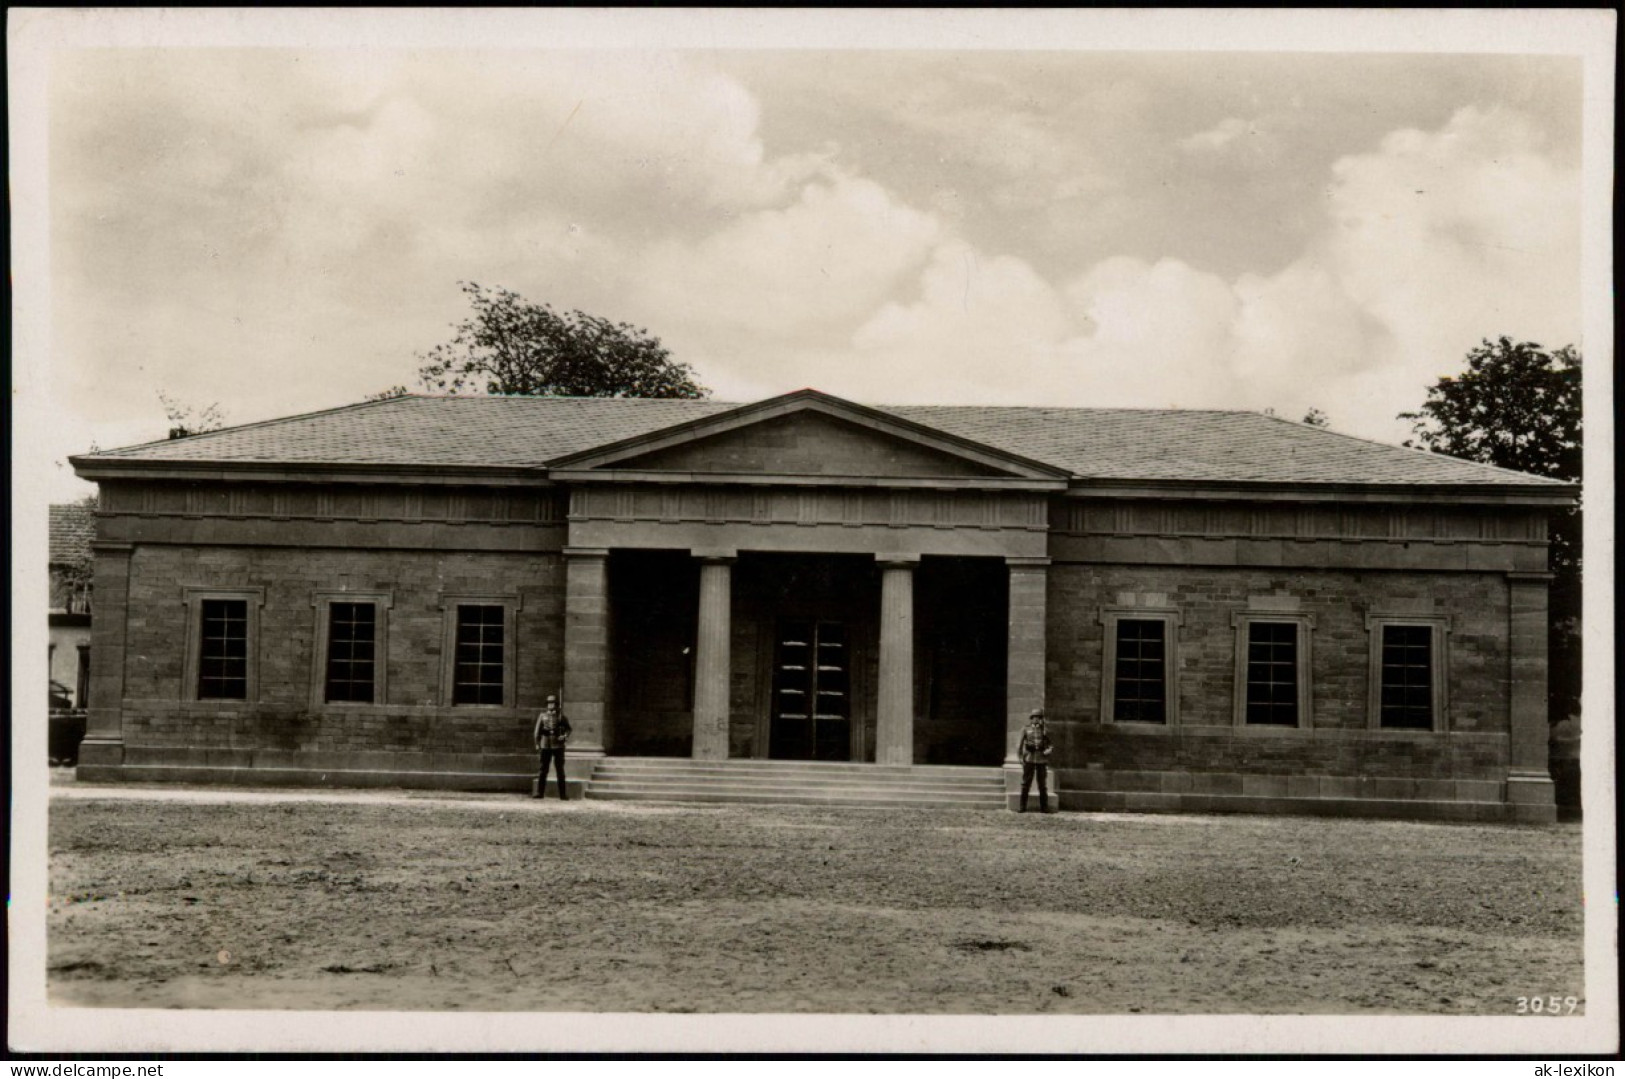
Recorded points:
(1219, 610)
(73, 526)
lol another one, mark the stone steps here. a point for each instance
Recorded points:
(785, 796)
(739, 766)
(750, 782)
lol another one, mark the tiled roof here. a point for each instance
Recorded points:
(495, 431)
(1112, 444)
(72, 529)
(1220, 447)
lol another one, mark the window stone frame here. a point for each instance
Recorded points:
(192, 597)
(1243, 621)
(322, 602)
(1172, 619)
(1438, 657)
(511, 605)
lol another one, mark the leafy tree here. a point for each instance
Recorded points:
(1518, 406)
(509, 345)
(186, 420)
(389, 394)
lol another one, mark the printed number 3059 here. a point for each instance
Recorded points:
(1547, 1005)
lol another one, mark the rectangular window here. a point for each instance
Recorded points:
(352, 640)
(1139, 661)
(1272, 673)
(478, 668)
(1406, 700)
(1141, 676)
(349, 660)
(223, 650)
(82, 688)
(220, 644)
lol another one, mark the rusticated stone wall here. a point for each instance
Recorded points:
(158, 711)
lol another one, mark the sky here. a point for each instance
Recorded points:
(279, 230)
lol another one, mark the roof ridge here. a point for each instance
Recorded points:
(724, 403)
(1431, 454)
(562, 397)
(1088, 408)
(234, 429)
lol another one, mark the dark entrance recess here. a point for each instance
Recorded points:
(961, 618)
(812, 691)
(654, 604)
(818, 613)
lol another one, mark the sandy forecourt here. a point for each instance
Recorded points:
(282, 899)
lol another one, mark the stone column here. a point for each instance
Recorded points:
(102, 751)
(1024, 675)
(586, 649)
(894, 719)
(1530, 790)
(713, 660)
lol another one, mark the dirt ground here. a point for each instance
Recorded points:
(495, 903)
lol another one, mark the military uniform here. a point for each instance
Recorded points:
(552, 731)
(1035, 750)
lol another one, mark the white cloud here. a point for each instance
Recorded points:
(1454, 235)
(1217, 137)
(1152, 334)
(818, 264)
(1430, 243)
(996, 309)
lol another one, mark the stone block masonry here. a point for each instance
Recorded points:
(1206, 760)
(1338, 602)
(415, 729)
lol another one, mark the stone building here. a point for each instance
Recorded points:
(1219, 610)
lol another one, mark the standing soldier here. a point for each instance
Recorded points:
(1035, 749)
(552, 731)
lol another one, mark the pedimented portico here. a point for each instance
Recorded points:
(808, 521)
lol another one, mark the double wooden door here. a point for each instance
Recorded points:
(811, 709)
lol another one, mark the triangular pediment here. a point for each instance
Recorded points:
(807, 443)
(807, 435)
